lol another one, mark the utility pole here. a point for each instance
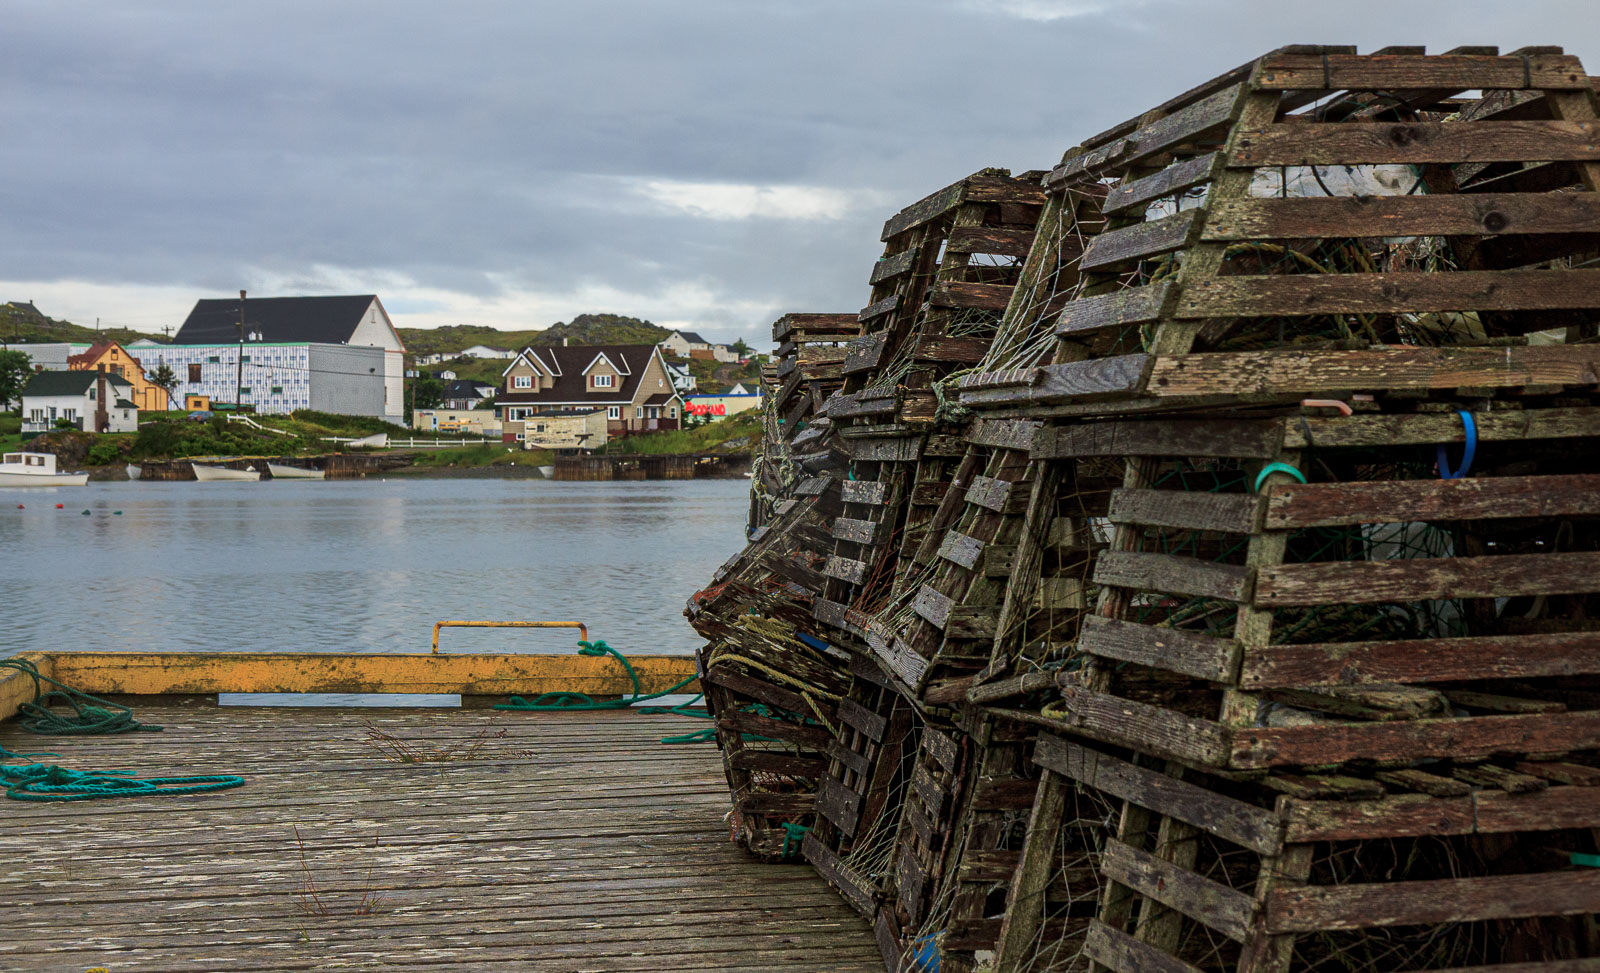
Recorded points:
(238, 386)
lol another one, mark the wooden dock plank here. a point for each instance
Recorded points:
(572, 839)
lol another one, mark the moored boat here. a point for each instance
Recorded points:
(133, 471)
(36, 470)
(281, 472)
(209, 474)
(375, 441)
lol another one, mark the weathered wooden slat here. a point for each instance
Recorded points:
(941, 747)
(863, 719)
(1121, 953)
(992, 494)
(878, 309)
(1368, 582)
(1094, 377)
(964, 294)
(1422, 660)
(856, 890)
(741, 722)
(894, 266)
(933, 794)
(1382, 216)
(1005, 241)
(1400, 501)
(785, 328)
(1232, 820)
(1206, 117)
(1459, 738)
(1142, 240)
(1235, 513)
(968, 351)
(1301, 432)
(1134, 305)
(1210, 903)
(933, 606)
(889, 449)
(1145, 571)
(723, 674)
(1174, 179)
(983, 865)
(1449, 72)
(925, 210)
(856, 531)
(828, 612)
(1245, 439)
(958, 548)
(860, 763)
(1277, 372)
(1355, 143)
(1478, 812)
(839, 804)
(1202, 656)
(865, 353)
(768, 762)
(1323, 908)
(1013, 433)
(777, 805)
(863, 491)
(845, 569)
(1126, 722)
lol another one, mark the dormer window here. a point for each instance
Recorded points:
(603, 381)
(522, 382)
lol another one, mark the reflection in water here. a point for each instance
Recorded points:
(359, 566)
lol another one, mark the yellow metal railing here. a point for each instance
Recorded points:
(583, 630)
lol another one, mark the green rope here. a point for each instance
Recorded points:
(47, 782)
(546, 702)
(793, 836)
(90, 714)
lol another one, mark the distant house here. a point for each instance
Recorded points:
(464, 422)
(432, 359)
(683, 344)
(629, 382)
(333, 354)
(111, 357)
(682, 379)
(49, 356)
(93, 401)
(724, 353)
(445, 375)
(466, 394)
(484, 351)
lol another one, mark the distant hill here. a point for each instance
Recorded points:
(21, 321)
(585, 329)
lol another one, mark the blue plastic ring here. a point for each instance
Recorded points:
(1471, 429)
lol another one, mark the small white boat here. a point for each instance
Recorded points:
(280, 472)
(376, 441)
(133, 471)
(35, 470)
(208, 474)
(548, 472)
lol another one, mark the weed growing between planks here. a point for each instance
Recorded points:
(310, 896)
(415, 752)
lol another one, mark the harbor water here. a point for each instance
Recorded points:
(359, 565)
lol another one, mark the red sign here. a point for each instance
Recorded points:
(696, 409)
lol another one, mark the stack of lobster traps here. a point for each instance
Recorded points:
(1234, 602)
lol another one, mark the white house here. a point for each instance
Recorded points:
(91, 401)
(682, 379)
(679, 344)
(333, 354)
(723, 353)
(484, 351)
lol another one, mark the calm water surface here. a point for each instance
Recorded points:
(359, 565)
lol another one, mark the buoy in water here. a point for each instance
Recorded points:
(86, 513)
(61, 506)
(116, 513)
(20, 507)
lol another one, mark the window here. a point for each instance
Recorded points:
(37, 415)
(244, 358)
(539, 427)
(213, 359)
(244, 391)
(614, 412)
(91, 393)
(194, 373)
(522, 382)
(520, 437)
(672, 413)
(277, 390)
(71, 415)
(603, 381)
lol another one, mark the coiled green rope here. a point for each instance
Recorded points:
(90, 714)
(47, 782)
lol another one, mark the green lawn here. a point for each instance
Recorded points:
(702, 439)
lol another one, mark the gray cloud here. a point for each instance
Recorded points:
(492, 162)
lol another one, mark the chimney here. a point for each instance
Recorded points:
(102, 418)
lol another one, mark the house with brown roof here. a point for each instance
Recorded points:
(629, 383)
(113, 359)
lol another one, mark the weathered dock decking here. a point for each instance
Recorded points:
(575, 842)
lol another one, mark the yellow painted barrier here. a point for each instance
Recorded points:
(203, 673)
(583, 630)
(16, 687)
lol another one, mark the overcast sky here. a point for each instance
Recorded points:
(707, 164)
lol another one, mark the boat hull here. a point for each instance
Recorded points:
(212, 474)
(43, 479)
(294, 473)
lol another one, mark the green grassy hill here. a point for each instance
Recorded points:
(25, 323)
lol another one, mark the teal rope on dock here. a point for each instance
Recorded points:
(47, 782)
(547, 702)
(90, 714)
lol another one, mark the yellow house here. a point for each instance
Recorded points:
(112, 358)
